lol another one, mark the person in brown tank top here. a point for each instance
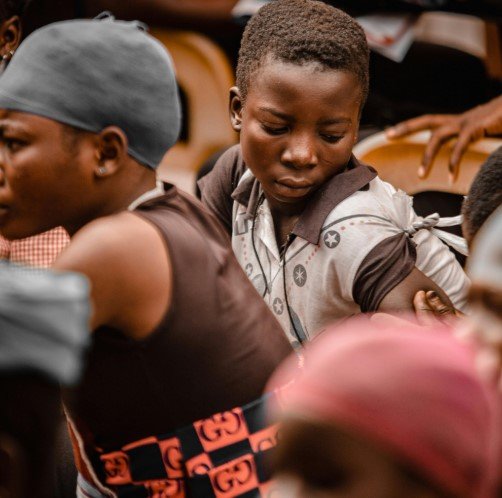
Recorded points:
(182, 347)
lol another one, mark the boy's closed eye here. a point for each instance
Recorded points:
(332, 139)
(274, 129)
(281, 129)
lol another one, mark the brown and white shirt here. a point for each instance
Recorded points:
(348, 249)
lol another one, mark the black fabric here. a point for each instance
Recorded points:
(29, 415)
(384, 267)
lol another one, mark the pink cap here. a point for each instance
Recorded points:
(416, 393)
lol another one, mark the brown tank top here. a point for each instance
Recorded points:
(214, 349)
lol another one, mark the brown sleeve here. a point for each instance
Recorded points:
(384, 267)
(217, 186)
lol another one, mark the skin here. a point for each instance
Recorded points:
(48, 178)
(297, 128)
(481, 121)
(318, 460)
(10, 35)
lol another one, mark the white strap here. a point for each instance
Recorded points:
(151, 194)
(434, 220)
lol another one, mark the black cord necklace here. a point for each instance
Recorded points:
(282, 254)
(255, 214)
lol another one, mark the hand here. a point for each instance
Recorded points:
(483, 120)
(431, 310)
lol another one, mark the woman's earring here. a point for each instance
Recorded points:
(101, 170)
(8, 56)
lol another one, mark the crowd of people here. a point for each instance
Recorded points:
(298, 332)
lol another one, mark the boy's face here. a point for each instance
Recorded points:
(42, 180)
(297, 128)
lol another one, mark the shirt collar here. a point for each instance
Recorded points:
(356, 176)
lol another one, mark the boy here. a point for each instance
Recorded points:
(181, 343)
(318, 233)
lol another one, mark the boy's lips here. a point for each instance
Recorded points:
(293, 187)
(292, 182)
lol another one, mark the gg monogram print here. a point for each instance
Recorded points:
(221, 456)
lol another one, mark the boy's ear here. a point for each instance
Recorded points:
(10, 37)
(111, 150)
(236, 108)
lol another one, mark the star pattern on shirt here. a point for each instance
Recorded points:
(249, 269)
(331, 239)
(300, 275)
(278, 306)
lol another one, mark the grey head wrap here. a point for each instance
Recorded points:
(91, 74)
(44, 322)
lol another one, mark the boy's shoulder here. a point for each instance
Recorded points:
(379, 208)
(217, 186)
(228, 170)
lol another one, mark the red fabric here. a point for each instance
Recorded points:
(39, 250)
(415, 392)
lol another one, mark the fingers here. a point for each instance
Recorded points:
(438, 138)
(467, 135)
(445, 126)
(423, 310)
(425, 122)
(442, 311)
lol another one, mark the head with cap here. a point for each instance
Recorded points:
(485, 270)
(387, 413)
(89, 108)
(484, 196)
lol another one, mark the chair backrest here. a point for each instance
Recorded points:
(205, 76)
(397, 162)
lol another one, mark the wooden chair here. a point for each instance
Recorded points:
(397, 162)
(205, 76)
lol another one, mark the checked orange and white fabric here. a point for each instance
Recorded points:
(40, 250)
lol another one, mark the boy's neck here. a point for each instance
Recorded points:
(284, 217)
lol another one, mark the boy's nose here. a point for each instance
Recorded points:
(300, 152)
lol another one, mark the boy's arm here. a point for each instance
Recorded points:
(129, 270)
(401, 297)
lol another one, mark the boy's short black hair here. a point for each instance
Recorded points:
(9, 8)
(485, 194)
(303, 31)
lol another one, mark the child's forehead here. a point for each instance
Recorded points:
(274, 74)
(274, 63)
